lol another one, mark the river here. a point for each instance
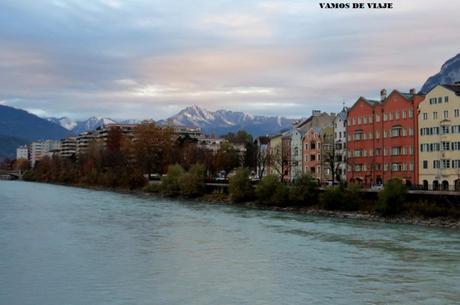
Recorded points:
(67, 246)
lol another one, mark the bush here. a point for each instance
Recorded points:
(266, 188)
(240, 187)
(170, 183)
(270, 190)
(281, 195)
(192, 183)
(152, 188)
(304, 191)
(392, 197)
(341, 198)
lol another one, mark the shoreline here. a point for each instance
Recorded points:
(434, 222)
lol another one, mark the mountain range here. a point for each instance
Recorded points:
(449, 74)
(212, 122)
(19, 127)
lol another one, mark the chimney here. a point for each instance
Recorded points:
(333, 114)
(412, 91)
(383, 94)
(316, 112)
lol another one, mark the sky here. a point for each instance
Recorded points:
(149, 59)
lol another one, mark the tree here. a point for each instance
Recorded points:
(227, 158)
(192, 183)
(267, 188)
(170, 183)
(304, 190)
(152, 147)
(392, 197)
(240, 186)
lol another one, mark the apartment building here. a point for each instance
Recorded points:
(311, 152)
(381, 139)
(340, 142)
(439, 138)
(22, 152)
(68, 147)
(40, 149)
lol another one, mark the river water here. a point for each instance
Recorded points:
(63, 245)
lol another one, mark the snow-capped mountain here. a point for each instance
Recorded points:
(80, 126)
(450, 73)
(212, 122)
(65, 122)
(91, 124)
(224, 121)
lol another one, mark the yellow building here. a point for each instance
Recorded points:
(275, 158)
(439, 138)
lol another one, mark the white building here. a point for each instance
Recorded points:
(22, 152)
(340, 141)
(296, 153)
(39, 149)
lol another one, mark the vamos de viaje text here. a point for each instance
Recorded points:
(356, 5)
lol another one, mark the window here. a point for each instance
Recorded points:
(397, 115)
(435, 115)
(455, 145)
(445, 163)
(444, 129)
(455, 163)
(313, 170)
(358, 167)
(446, 99)
(359, 120)
(358, 153)
(385, 117)
(439, 100)
(425, 164)
(456, 129)
(445, 146)
(377, 118)
(313, 145)
(436, 164)
(296, 151)
(377, 151)
(395, 151)
(365, 120)
(358, 135)
(396, 167)
(404, 114)
(425, 116)
(456, 113)
(312, 157)
(411, 113)
(396, 131)
(411, 131)
(390, 116)
(446, 114)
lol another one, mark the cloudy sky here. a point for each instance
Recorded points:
(149, 59)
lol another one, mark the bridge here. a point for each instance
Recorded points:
(6, 174)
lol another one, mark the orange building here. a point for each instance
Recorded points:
(311, 151)
(382, 139)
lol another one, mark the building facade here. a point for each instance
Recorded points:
(275, 156)
(22, 152)
(381, 139)
(327, 155)
(340, 142)
(68, 147)
(40, 149)
(311, 152)
(439, 138)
